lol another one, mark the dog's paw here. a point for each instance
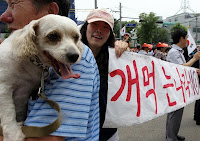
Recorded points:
(20, 123)
(17, 135)
(20, 137)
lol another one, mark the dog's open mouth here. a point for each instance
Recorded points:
(61, 69)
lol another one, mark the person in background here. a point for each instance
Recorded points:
(197, 111)
(160, 54)
(175, 55)
(151, 51)
(126, 39)
(97, 33)
(154, 51)
(78, 98)
(144, 50)
(167, 50)
(138, 48)
(197, 102)
(132, 50)
(0, 40)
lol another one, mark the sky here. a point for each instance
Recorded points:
(133, 8)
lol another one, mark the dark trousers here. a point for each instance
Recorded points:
(173, 124)
(197, 110)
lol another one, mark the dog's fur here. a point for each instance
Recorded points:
(55, 40)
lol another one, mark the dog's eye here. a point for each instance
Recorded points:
(76, 37)
(53, 36)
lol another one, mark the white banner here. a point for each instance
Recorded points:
(191, 43)
(141, 88)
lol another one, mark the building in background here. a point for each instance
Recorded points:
(189, 20)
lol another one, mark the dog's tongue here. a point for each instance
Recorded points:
(67, 72)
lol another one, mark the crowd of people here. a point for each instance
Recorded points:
(159, 51)
(84, 110)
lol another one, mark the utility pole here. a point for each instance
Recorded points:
(95, 4)
(120, 18)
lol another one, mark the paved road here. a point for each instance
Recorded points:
(154, 130)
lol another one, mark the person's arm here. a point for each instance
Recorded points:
(190, 63)
(120, 47)
(47, 138)
(193, 60)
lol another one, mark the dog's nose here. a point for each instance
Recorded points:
(72, 57)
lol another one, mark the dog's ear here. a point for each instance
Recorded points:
(25, 40)
(80, 47)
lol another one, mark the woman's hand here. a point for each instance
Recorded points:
(120, 47)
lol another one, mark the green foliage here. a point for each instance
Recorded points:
(117, 26)
(145, 32)
(8, 32)
(6, 35)
(128, 29)
(160, 35)
(177, 26)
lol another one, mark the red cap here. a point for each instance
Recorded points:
(161, 45)
(147, 45)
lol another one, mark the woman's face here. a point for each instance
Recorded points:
(97, 34)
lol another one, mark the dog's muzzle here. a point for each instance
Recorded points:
(72, 57)
(61, 69)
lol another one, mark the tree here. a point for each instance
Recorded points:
(145, 33)
(128, 29)
(160, 35)
(177, 26)
(7, 31)
(117, 26)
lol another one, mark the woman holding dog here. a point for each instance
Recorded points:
(97, 33)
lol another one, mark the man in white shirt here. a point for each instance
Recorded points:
(176, 56)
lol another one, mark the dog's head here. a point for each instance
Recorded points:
(55, 39)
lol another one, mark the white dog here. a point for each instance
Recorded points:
(55, 41)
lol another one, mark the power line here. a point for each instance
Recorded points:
(130, 9)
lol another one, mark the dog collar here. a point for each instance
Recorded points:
(36, 61)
